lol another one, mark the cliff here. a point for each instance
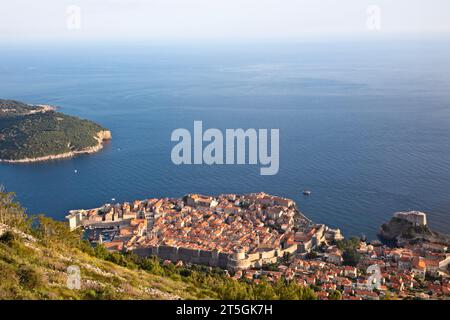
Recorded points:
(104, 135)
(400, 231)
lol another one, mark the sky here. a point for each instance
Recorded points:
(25, 20)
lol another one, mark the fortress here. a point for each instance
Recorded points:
(417, 218)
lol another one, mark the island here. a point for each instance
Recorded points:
(31, 133)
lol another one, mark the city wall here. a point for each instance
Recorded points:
(231, 261)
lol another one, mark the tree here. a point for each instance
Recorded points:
(29, 277)
(349, 248)
(152, 265)
(311, 255)
(290, 290)
(51, 232)
(388, 296)
(351, 257)
(264, 291)
(335, 295)
(8, 237)
(286, 258)
(11, 213)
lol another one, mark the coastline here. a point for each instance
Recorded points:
(101, 137)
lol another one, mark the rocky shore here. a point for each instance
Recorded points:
(101, 137)
(404, 229)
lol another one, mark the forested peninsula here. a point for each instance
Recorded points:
(31, 133)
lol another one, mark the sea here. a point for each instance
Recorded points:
(364, 124)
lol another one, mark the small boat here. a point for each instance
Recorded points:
(306, 193)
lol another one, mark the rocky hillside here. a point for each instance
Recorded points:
(31, 270)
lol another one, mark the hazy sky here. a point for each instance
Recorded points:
(188, 19)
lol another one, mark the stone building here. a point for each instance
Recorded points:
(417, 218)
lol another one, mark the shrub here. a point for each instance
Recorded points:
(7, 238)
(11, 213)
(29, 277)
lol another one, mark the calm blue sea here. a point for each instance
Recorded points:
(364, 125)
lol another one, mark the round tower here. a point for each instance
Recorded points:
(239, 253)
